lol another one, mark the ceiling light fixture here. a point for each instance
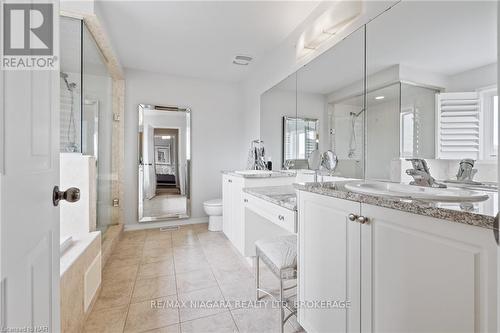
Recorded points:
(242, 60)
(379, 97)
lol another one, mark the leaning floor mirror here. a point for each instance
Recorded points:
(164, 163)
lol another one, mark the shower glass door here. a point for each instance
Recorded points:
(97, 124)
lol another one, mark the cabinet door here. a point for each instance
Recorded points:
(421, 274)
(328, 263)
(237, 213)
(226, 205)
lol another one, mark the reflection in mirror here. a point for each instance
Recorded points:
(276, 104)
(164, 163)
(300, 139)
(432, 89)
(331, 89)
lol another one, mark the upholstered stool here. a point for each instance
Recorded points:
(280, 255)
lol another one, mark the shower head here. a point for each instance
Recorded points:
(70, 86)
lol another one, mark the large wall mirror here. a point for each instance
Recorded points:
(431, 87)
(278, 110)
(164, 163)
(418, 81)
(331, 89)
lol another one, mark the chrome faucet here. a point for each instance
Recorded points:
(421, 174)
(465, 170)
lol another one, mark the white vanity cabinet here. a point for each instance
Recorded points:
(424, 274)
(232, 203)
(401, 272)
(328, 263)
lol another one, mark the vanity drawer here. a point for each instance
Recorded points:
(284, 218)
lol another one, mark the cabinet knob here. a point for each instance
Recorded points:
(229, 180)
(352, 217)
(361, 219)
(245, 200)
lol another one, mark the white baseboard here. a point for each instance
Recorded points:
(153, 225)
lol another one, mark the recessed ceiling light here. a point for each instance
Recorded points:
(380, 97)
(242, 60)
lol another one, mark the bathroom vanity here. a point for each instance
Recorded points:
(233, 183)
(399, 263)
(268, 212)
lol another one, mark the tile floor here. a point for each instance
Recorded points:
(151, 269)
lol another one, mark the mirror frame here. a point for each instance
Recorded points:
(285, 120)
(187, 182)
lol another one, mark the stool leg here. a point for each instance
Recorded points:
(257, 272)
(282, 310)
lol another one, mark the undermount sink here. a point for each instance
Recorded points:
(253, 172)
(403, 191)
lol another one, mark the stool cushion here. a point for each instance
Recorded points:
(279, 253)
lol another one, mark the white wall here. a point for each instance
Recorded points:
(216, 126)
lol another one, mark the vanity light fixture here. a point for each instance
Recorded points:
(242, 60)
(336, 18)
(325, 34)
(379, 97)
(165, 137)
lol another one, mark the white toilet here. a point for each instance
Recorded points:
(213, 208)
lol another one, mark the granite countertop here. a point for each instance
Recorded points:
(274, 174)
(480, 214)
(284, 196)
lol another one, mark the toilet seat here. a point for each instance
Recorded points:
(213, 202)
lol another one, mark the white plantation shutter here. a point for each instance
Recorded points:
(458, 125)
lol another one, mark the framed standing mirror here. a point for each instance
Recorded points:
(164, 165)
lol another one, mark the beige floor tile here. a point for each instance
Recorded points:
(150, 258)
(116, 261)
(262, 320)
(133, 236)
(156, 234)
(239, 292)
(176, 328)
(145, 315)
(155, 269)
(190, 262)
(114, 294)
(157, 252)
(106, 321)
(219, 323)
(188, 240)
(201, 303)
(165, 243)
(231, 273)
(154, 288)
(120, 273)
(195, 280)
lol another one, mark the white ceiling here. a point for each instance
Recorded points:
(199, 39)
(446, 37)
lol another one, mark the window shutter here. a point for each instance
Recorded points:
(458, 125)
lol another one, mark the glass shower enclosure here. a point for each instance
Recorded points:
(86, 109)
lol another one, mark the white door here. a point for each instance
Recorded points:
(328, 264)
(29, 169)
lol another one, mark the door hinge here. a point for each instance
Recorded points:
(116, 202)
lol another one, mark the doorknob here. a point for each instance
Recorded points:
(72, 194)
